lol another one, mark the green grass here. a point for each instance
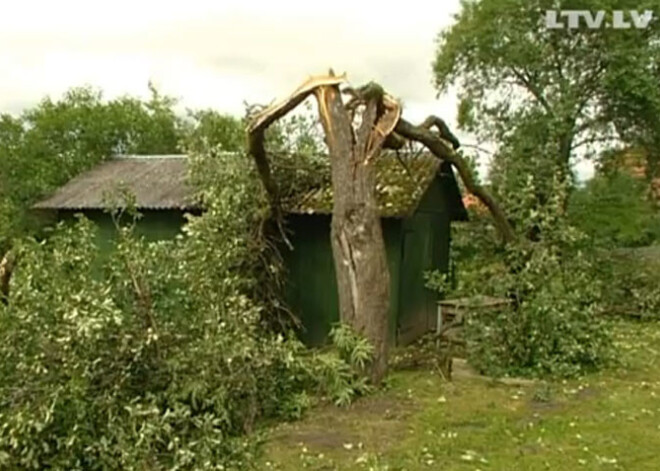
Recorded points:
(609, 420)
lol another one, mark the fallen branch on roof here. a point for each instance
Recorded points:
(439, 144)
(256, 137)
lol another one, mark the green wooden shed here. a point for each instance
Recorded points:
(157, 182)
(418, 200)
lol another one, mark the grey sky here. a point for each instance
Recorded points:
(219, 53)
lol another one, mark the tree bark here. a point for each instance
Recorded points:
(358, 247)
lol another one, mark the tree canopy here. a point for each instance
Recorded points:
(542, 95)
(51, 142)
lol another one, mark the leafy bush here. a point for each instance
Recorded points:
(554, 328)
(159, 358)
(555, 324)
(341, 372)
(633, 281)
(128, 371)
(614, 210)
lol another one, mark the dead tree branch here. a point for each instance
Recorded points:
(440, 146)
(256, 138)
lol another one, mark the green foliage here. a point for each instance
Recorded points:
(298, 133)
(208, 129)
(137, 369)
(342, 372)
(541, 95)
(57, 139)
(297, 153)
(354, 349)
(614, 211)
(504, 46)
(50, 143)
(544, 96)
(556, 329)
(555, 325)
(633, 281)
(529, 149)
(163, 357)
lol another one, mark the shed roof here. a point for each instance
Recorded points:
(400, 185)
(156, 181)
(159, 182)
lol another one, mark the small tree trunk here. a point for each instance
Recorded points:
(358, 247)
(6, 270)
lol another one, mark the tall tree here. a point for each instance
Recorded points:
(541, 94)
(210, 129)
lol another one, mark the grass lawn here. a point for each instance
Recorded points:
(609, 420)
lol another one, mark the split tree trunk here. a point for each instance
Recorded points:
(363, 279)
(356, 235)
(358, 247)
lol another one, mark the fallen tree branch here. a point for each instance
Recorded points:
(443, 130)
(256, 138)
(441, 148)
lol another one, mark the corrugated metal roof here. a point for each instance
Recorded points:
(157, 182)
(399, 188)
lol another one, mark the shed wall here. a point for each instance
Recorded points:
(414, 245)
(154, 225)
(425, 247)
(312, 284)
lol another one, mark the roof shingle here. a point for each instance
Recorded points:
(157, 182)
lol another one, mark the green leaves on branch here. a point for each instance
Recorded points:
(159, 355)
(556, 323)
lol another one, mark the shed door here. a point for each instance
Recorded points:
(417, 257)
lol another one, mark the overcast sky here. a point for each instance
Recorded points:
(220, 53)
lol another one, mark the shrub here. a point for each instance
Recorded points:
(615, 210)
(555, 325)
(632, 279)
(341, 371)
(159, 358)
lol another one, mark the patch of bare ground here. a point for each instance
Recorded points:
(372, 422)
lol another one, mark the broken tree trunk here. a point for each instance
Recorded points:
(356, 235)
(358, 247)
(256, 137)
